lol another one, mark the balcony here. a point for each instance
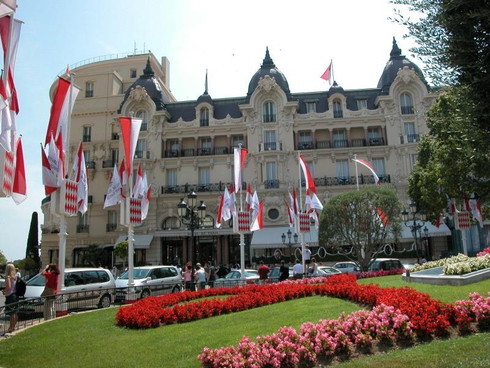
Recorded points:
(82, 228)
(108, 164)
(327, 181)
(271, 184)
(376, 141)
(115, 136)
(186, 188)
(305, 146)
(410, 138)
(142, 154)
(203, 151)
(110, 228)
(90, 165)
(358, 142)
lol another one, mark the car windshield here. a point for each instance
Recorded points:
(137, 274)
(37, 280)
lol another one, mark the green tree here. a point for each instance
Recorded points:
(453, 160)
(453, 38)
(357, 221)
(121, 251)
(92, 255)
(32, 248)
(3, 259)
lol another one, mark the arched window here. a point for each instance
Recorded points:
(269, 112)
(142, 114)
(406, 104)
(171, 223)
(337, 109)
(204, 121)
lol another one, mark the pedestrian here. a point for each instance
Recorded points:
(189, 285)
(212, 275)
(263, 272)
(313, 269)
(11, 298)
(283, 271)
(222, 271)
(50, 273)
(200, 277)
(298, 270)
(306, 254)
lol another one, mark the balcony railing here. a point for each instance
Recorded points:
(348, 180)
(409, 138)
(270, 184)
(110, 227)
(82, 228)
(90, 165)
(186, 188)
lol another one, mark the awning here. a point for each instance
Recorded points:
(140, 241)
(270, 237)
(434, 231)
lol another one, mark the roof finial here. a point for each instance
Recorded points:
(268, 60)
(148, 71)
(206, 83)
(395, 50)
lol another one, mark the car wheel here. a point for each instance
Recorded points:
(145, 294)
(105, 301)
(176, 289)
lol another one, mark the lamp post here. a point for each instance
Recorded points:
(290, 244)
(415, 221)
(192, 216)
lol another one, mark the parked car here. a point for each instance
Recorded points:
(150, 280)
(233, 278)
(323, 271)
(347, 267)
(84, 288)
(2, 282)
(275, 273)
(385, 264)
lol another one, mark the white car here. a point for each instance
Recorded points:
(84, 288)
(233, 278)
(347, 267)
(323, 271)
(150, 280)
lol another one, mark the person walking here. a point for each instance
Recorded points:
(189, 285)
(200, 277)
(298, 270)
(283, 271)
(11, 298)
(263, 272)
(50, 273)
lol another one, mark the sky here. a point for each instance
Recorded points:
(228, 38)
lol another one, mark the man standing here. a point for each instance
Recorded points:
(307, 254)
(263, 272)
(298, 270)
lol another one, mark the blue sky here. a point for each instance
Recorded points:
(228, 38)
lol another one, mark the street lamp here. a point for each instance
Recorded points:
(416, 221)
(193, 217)
(290, 244)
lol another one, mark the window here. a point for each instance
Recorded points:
(410, 135)
(379, 166)
(141, 149)
(269, 112)
(86, 156)
(406, 104)
(311, 168)
(142, 114)
(273, 213)
(361, 104)
(172, 178)
(173, 148)
(89, 89)
(310, 107)
(236, 140)
(374, 136)
(305, 140)
(342, 168)
(337, 109)
(205, 146)
(204, 120)
(171, 223)
(82, 223)
(87, 134)
(114, 156)
(269, 140)
(339, 138)
(132, 73)
(271, 175)
(111, 221)
(204, 176)
(413, 160)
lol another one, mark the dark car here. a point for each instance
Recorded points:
(275, 273)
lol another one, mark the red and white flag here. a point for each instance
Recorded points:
(382, 217)
(50, 176)
(310, 182)
(290, 216)
(130, 130)
(80, 171)
(258, 217)
(63, 102)
(370, 167)
(228, 207)
(240, 157)
(7, 7)
(139, 185)
(8, 94)
(327, 74)
(113, 195)
(475, 209)
(19, 186)
(249, 197)
(312, 202)
(145, 203)
(219, 214)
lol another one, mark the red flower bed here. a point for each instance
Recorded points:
(428, 316)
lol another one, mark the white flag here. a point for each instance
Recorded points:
(113, 195)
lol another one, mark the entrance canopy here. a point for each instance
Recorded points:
(270, 237)
(140, 241)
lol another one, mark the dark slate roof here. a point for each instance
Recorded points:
(222, 107)
(397, 61)
(268, 68)
(148, 81)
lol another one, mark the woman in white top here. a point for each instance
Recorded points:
(10, 295)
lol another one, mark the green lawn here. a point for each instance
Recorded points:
(92, 339)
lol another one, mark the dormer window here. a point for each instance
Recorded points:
(89, 89)
(204, 120)
(406, 104)
(310, 107)
(269, 112)
(337, 109)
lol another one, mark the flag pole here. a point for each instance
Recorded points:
(63, 226)
(298, 226)
(333, 76)
(357, 175)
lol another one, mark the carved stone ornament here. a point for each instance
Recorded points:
(138, 94)
(267, 84)
(406, 75)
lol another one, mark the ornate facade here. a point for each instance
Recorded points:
(188, 145)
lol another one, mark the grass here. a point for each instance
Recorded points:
(92, 340)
